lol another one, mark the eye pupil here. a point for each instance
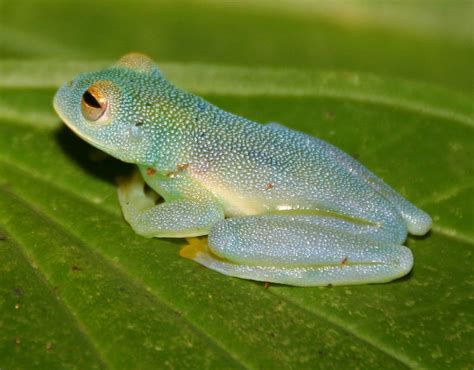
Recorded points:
(94, 104)
(90, 100)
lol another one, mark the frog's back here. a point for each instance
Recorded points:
(265, 167)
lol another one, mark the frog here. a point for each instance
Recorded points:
(272, 204)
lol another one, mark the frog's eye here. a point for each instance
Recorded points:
(94, 105)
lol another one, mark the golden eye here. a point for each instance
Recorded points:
(94, 105)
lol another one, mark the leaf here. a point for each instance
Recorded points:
(113, 299)
(78, 289)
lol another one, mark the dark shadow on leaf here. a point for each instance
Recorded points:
(417, 238)
(176, 241)
(94, 161)
(421, 237)
(403, 279)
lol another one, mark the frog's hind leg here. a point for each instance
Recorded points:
(291, 250)
(418, 222)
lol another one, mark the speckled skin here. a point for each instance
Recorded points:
(299, 211)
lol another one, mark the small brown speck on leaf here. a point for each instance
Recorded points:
(269, 186)
(266, 285)
(49, 346)
(344, 261)
(75, 268)
(18, 291)
(328, 115)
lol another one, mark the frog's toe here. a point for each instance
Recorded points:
(418, 223)
(132, 195)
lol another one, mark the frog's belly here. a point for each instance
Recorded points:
(237, 204)
(249, 195)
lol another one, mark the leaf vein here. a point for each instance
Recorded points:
(345, 327)
(42, 277)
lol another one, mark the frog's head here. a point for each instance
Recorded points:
(112, 108)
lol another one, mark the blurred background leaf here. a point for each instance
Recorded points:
(391, 83)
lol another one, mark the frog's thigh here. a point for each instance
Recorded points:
(179, 218)
(417, 221)
(284, 250)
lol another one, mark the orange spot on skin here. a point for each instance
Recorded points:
(182, 166)
(345, 261)
(150, 171)
(269, 186)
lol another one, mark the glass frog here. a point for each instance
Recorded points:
(277, 205)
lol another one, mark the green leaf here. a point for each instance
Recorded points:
(78, 289)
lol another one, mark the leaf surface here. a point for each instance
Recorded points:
(78, 289)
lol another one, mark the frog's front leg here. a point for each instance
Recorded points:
(292, 250)
(176, 218)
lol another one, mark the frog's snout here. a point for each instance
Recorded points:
(59, 99)
(64, 102)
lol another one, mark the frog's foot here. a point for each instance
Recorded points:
(132, 194)
(417, 221)
(178, 218)
(283, 249)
